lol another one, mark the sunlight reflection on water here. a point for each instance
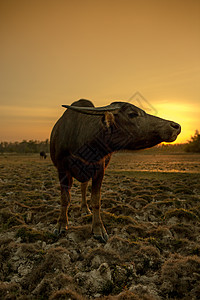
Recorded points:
(158, 170)
(156, 163)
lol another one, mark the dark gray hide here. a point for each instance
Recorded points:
(83, 140)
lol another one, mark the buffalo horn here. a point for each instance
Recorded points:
(94, 110)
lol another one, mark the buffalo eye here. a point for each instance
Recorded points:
(133, 115)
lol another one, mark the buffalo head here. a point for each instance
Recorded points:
(130, 127)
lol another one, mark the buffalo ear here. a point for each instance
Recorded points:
(108, 119)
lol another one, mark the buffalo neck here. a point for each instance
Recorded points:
(96, 149)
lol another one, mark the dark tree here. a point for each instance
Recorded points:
(194, 144)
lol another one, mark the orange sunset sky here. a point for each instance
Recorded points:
(55, 52)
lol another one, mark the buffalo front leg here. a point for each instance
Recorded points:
(98, 229)
(84, 206)
(65, 185)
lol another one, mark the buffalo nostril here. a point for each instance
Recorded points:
(175, 126)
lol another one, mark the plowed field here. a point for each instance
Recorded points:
(150, 208)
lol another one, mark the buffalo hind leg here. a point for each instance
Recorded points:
(66, 181)
(84, 206)
(98, 229)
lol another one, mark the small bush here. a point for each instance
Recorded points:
(180, 276)
(8, 219)
(147, 259)
(65, 294)
(29, 235)
(194, 144)
(9, 290)
(181, 214)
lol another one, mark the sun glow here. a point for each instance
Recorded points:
(184, 114)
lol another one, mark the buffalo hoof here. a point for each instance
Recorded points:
(63, 231)
(60, 230)
(100, 234)
(101, 239)
(85, 211)
(56, 232)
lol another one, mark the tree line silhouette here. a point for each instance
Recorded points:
(31, 146)
(34, 146)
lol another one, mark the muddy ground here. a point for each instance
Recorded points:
(150, 208)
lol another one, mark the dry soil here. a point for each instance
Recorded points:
(150, 208)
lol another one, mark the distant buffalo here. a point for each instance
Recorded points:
(83, 140)
(43, 154)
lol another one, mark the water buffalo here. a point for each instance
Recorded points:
(43, 154)
(83, 140)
